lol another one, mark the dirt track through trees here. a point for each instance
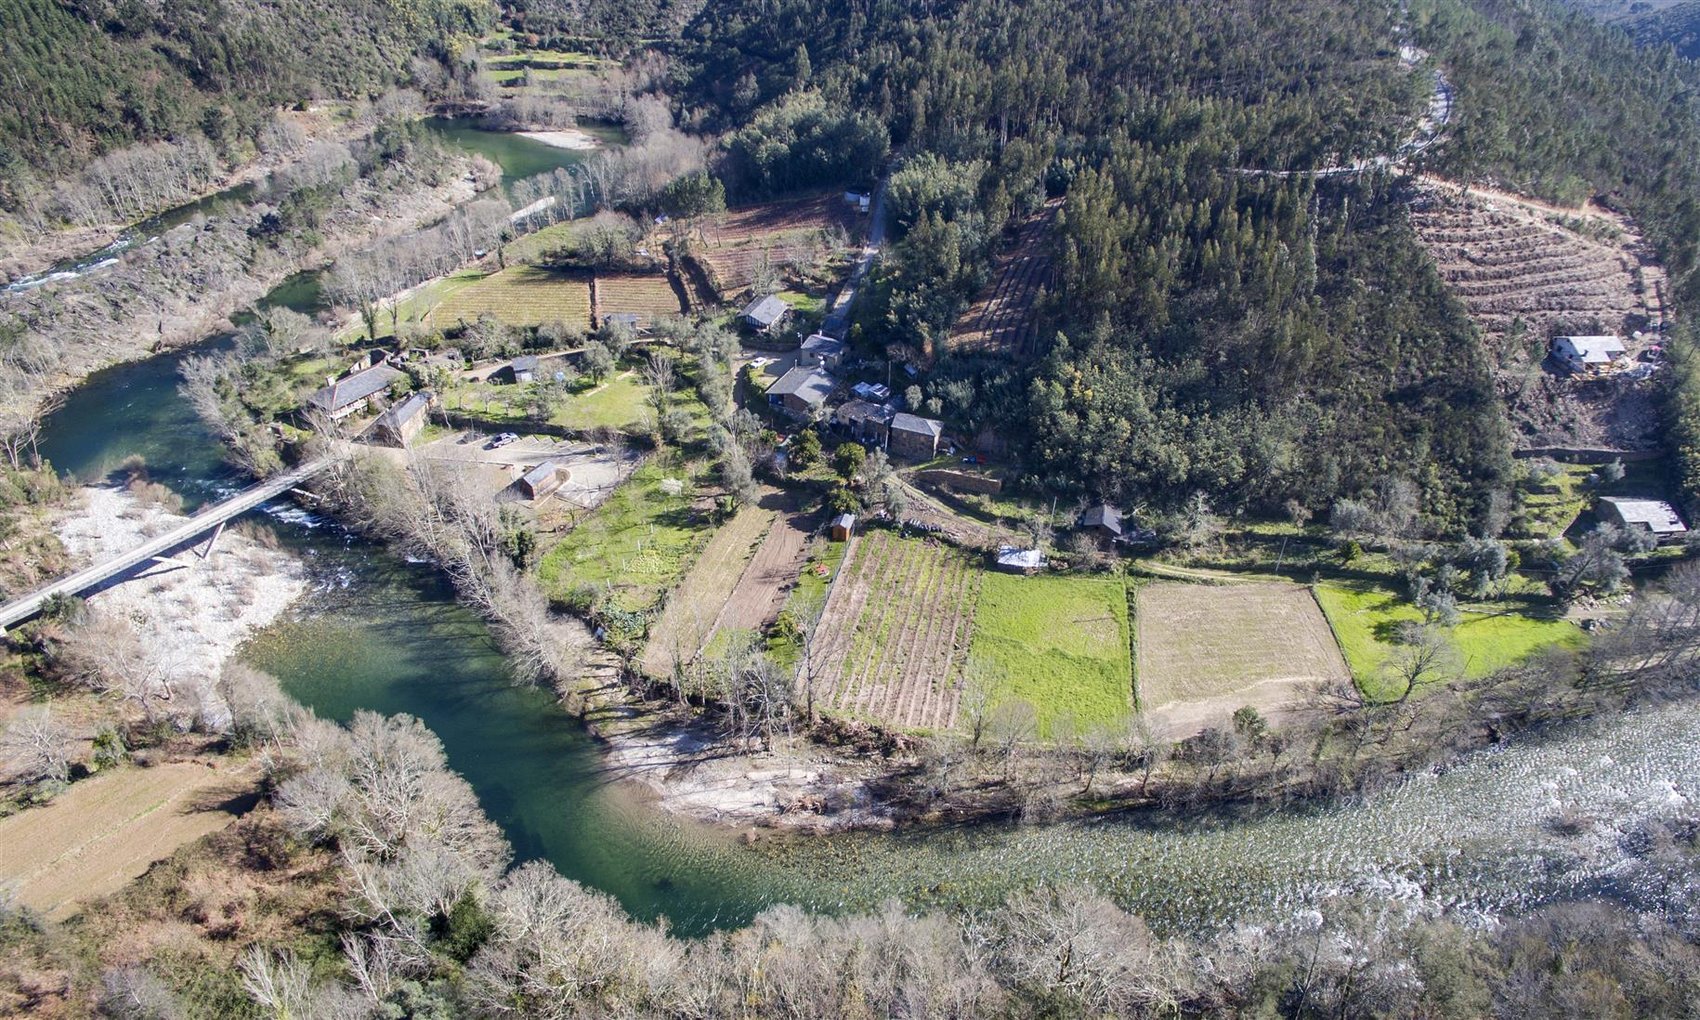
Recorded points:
(105, 831)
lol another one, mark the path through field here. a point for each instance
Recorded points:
(1205, 650)
(693, 608)
(105, 831)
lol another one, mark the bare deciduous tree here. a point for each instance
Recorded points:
(36, 747)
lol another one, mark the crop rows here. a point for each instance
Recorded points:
(647, 295)
(786, 235)
(1507, 265)
(1001, 320)
(518, 296)
(895, 632)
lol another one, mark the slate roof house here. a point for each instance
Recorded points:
(402, 421)
(822, 351)
(1589, 354)
(1653, 515)
(355, 391)
(765, 314)
(914, 437)
(801, 391)
(1104, 519)
(865, 421)
(525, 368)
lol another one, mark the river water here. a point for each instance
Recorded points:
(383, 634)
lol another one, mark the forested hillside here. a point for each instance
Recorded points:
(1258, 338)
(88, 76)
(1213, 327)
(1674, 23)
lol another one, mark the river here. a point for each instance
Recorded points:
(518, 156)
(384, 634)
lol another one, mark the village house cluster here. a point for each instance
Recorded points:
(870, 415)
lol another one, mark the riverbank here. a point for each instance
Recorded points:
(571, 138)
(194, 278)
(193, 610)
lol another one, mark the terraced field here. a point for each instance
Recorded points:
(782, 237)
(895, 632)
(519, 296)
(1528, 271)
(648, 296)
(1556, 271)
(1001, 320)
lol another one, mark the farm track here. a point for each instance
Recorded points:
(1001, 320)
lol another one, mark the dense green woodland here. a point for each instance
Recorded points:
(1257, 339)
(89, 76)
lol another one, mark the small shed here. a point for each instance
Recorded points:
(1651, 515)
(822, 351)
(765, 314)
(1589, 355)
(543, 480)
(623, 320)
(877, 393)
(402, 421)
(1103, 519)
(842, 527)
(525, 368)
(915, 437)
(1015, 560)
(801, 391)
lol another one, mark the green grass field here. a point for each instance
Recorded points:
(617, 403)
(1060, 643)
(639, 543)
(1364, 619)
(519, 296)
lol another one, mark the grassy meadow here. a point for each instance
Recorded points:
(1061, 643)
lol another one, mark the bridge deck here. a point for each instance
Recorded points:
(21, 609)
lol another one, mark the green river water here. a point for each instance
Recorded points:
(381, 633)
